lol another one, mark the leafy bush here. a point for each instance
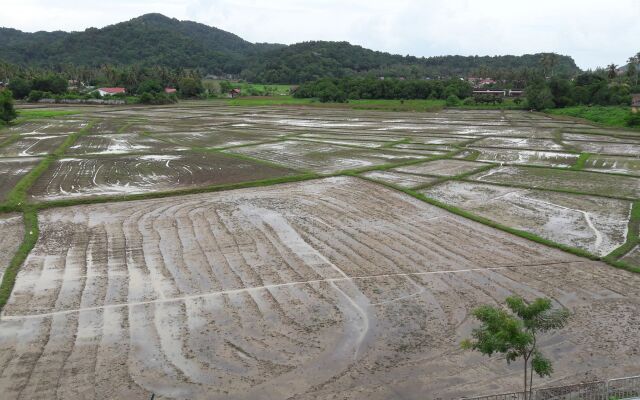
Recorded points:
(453, 101)
(20, 88)
(469, 101)
(50, 83)
(35, 96)
(539, 96)
(190, 87)
(633, 119)
(150, 86)
(7, 112)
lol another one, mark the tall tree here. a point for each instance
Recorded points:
(612, 71)
(515, 333)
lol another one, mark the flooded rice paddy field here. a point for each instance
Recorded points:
(336, 286)
(301, 290)
(133, 174)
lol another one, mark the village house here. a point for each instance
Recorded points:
(169, 90)
(233, 93)
(480, 82)
(635, 102)
(110, 91)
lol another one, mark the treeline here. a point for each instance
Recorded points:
(592, 88)
(71, 82)
(340, 90)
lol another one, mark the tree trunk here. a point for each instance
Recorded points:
(526, 362)
(531, 383)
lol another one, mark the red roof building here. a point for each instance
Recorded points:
(110, 91)
(169, 90)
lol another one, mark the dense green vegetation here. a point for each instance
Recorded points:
(340, 90)
(611, 116)
(308, 61)
(7, 112)
(154, 40)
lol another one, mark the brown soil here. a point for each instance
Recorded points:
(333, 288)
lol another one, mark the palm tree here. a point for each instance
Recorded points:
(632, 69)
(612, 70)
(548, 61)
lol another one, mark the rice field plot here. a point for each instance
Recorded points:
(120, 143)
(12, 230)
(301, 291)
(32, 145)
(605, 148)
(519, 143)
(595, 224)
(398, 178)
(49, 127)
(529, 157)
(217, 138)
(441, 167)
(620, 137)
(322, 157)
(75, 177)
(558, 179)
(613, 164)
(12, 170)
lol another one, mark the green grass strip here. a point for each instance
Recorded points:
(633, 239)
(30, 218)
(581, 161)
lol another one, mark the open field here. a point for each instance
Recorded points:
(297, 291)
(344, 264)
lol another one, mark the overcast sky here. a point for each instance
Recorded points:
(594, 33)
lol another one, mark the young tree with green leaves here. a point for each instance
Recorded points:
(515, 333)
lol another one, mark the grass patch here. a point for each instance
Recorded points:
(581, 161)
(28, 114)
(30, 238)
(614, 116)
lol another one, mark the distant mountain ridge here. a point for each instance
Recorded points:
(154, 39)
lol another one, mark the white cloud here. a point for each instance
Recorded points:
(593, 32)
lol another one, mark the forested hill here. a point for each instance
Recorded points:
(154, 39)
